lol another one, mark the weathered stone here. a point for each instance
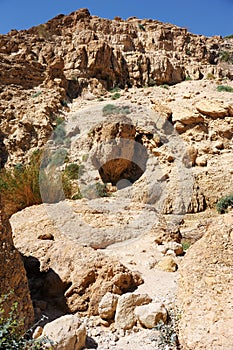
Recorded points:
(149, 315)
(13, 280)
(67, 332)
(213, 109)
(167, 263)
(125, 317)
(107, 306)
(205, 289)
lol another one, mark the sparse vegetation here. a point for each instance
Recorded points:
(188, 78)
(226, 56)
(224, 203)
(185, 246)
(164, 86)
(12, 336)
(224, 88)
(95, 190)
(115, 89)
(38, 93)
(168, 332)
(141, 26)
(112, 109)
(116, 96)
(210, 76)
(64, 103)
(228, 36)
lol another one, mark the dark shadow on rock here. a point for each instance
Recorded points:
(91, 343)
(3, 151)
(47, 291)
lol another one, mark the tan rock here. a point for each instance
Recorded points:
(125, 317)
(67, 332)
(167, 263)
(107, 306)
(213, 109)
(149, 315)
(186, 116)
(205, 289)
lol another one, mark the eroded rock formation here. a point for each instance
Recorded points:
(13, 281)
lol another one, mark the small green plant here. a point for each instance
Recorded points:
(112, 109)
(100, 99)
(12, 336)
(185, 246)
(73, 171)
(115, 89)
(64, 103)
(141, 26)
(188, 52)
(224, 88)
(164, 86)
(151, 82)
(58, 157)
(85, 157)
(116, 96)
(226, 56)
(210, 76)
(38, 93)
(224, 203)
(187, 78)
(59, 133)
(228, 36)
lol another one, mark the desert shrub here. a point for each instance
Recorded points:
(187, 78)
(73, 171)
(223, 204)
(151, 82)
(185, 245)
(38, 93)
(168, 332)
(225, 88)
(95, 190)
(115, 89)
(226, 56)
(140, 26)
(64, 103)
(59, 133)
(20, 186)
(210, 76)
(112, 109)
(116, 96)
(12, 336)
(228, 36)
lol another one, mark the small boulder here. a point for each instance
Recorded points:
(149, 315)
(167, 263)
(107, 306)
(213, 109)
(67, 332)
(125, 317)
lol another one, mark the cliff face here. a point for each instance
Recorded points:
(45, 66)
(13, 275)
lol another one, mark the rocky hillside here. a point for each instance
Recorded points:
(43, 68)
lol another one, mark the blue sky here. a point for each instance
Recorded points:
(208, 17)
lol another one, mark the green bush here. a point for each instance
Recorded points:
(12, 336)
(112, 109)
(20, 186)
(226, 56)
(140, 26)
(116, 96)
(225, 88)
(228, 36)
(223, 204)
(164, 86)
(73, 171)
(38, 93)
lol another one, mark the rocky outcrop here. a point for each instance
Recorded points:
(205, 289)
(43, 68)
(65, 275)
(13, 280)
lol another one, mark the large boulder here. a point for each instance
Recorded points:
(151, 314)
(13, 280)
(66, 332)
(205, 292)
